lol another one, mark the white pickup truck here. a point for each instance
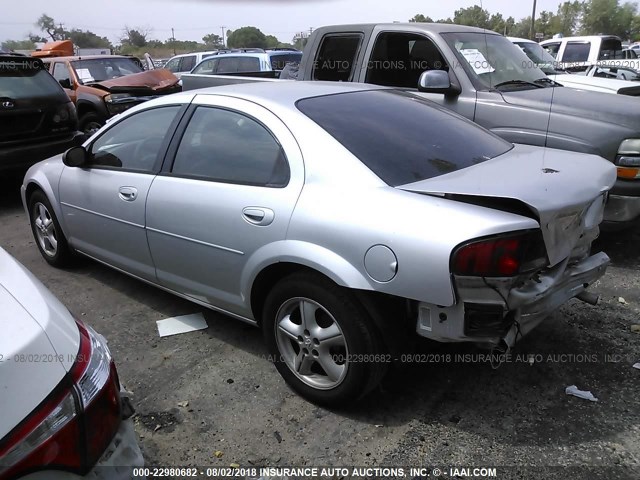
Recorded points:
(579, 53)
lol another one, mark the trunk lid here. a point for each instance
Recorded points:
(563, 190)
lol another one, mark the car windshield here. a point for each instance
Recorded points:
(401, 137)
(26, 79)
(492, 61)
(100, 69)
(279, 60)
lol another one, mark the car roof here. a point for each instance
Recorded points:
(584, 38)
(432, 27)
(285, 92)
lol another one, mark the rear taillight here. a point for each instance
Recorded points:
(502, 256)
(75, 424)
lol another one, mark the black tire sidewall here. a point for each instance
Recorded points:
(354, 323)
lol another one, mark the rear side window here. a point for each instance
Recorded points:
(229, 147)
(187, 63)
(279, 60)
(173, 65)
(336, 57)
(206, 67)
(401, 137)
(238, 64)
(26, 78)
(576, 52)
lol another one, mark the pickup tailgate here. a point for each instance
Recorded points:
(565, 191)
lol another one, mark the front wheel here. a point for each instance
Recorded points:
(321, 340)
(47, 232)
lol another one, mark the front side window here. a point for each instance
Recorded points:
(552, 49)
(173, 65)
(398, 59)
(401, 137)
(135, 142)
(229, 147)
(61, 73)
(206, 67)
(336, 57)
(610, 49)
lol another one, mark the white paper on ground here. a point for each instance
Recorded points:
(636, 365)
(182, 324)
(573, 390)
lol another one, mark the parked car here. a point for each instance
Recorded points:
(341, 218)
(267, 64)
(595, 79)
(102, 86)
(449, 65)
(180, 64)
(63, 417)
(36, 117)
(578, 53)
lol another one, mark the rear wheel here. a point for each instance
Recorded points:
(321, 340)
(47, 232)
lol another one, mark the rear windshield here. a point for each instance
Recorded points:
(26, 79)
(401, 137)
(279, 60)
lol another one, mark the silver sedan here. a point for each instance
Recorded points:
(341, 218)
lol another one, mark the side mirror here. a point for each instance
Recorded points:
(437, 81)
(65, 83)
(75, 157)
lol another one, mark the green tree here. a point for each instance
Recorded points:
(522, 28)
(475, 16)
(420, 18)
(568, 18)
(11, 45)
(272, 41)
(213, 41)
(247, 37)
(48, 24)
(87, 39)
(608, 17)
(135, 37)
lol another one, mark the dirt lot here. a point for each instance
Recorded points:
(452, 410)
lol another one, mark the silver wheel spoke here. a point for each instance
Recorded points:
(308, 315)
(53, 242)
(326, 334)
(289, 328)
(42, 213)
(303, 363)
(331, 368)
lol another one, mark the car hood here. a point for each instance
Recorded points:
(573, 102)
(605, 85)
(154, 80)
(38, 344)
(564, 190)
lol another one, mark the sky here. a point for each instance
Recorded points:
(192, 19)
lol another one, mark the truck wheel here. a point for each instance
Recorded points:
(47, 232)
(321, 340)
(90, 123)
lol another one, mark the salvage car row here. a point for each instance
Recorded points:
(343, 219)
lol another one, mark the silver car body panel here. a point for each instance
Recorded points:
(331, 214)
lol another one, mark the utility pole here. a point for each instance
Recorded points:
(532, 33)
(61, 30)
(173, 40)
(224, 42)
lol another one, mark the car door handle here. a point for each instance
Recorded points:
(128, 194)
(258, 215)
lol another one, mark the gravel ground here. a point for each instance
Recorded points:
(211, 398)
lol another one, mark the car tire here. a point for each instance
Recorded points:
(333, 355)
(90, 123)
(47, 233)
